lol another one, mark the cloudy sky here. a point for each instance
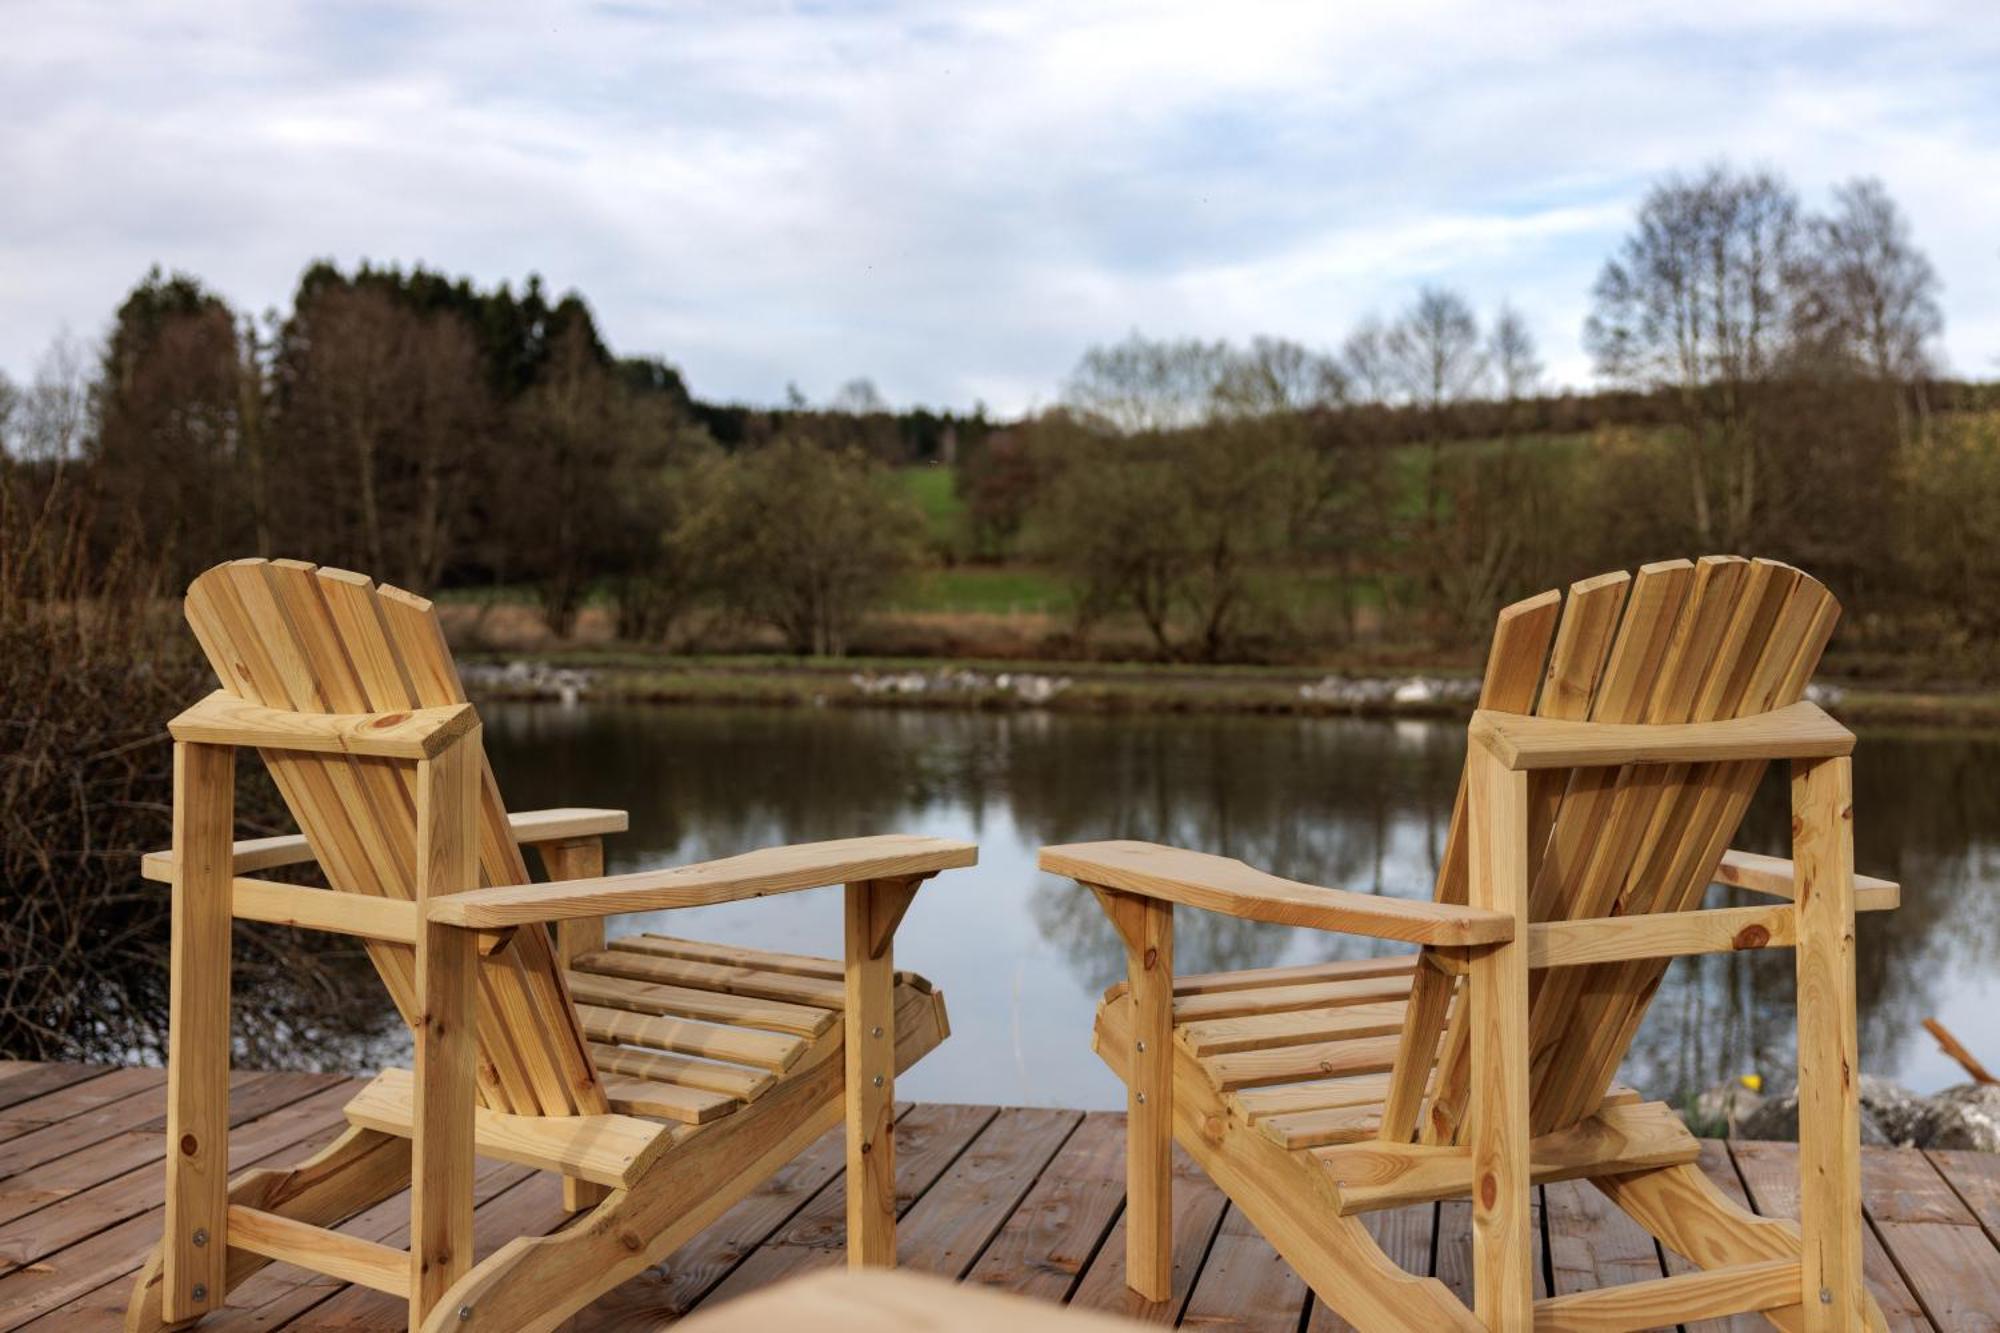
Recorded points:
(956, 200)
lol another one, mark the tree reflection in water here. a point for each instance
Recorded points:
(1359, 804)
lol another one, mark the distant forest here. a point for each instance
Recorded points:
(1773, 390)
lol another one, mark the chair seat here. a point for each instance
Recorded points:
(1302, 1052)
(689, 1031)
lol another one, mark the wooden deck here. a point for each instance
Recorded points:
(1027, 1200)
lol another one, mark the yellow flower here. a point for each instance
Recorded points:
(1754, 1082)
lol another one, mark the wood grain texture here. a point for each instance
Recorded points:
(870, 1090)
(1224, 884)
(197, 1234)
(756, 874)
(1829, 1061)
(1798, 731)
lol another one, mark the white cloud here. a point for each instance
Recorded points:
(956, 201)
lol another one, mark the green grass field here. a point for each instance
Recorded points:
(932, 488)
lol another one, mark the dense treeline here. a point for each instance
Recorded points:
(436, 434)
(1777, 395)
(1773, 388)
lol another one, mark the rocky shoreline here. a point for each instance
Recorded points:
(1964, 1116)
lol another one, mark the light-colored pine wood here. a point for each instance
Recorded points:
(622, 960)
(1774, 876)
(1661, 699)
(223, 719)
(1620, 1137)
(892, 1303)
(661, 1067)
(606, 1149)
(1745, 1289)
(732, 879)
(443, 1089)
(1829, 1064)
(1285, 999)
(1146, 925)
(1800, 731)
(583, 858)
(350, 695)
(1608, 939)
(1503, 1281)
(567, 859)
(1224, 884)
(774, 1052)
(349, 1258)
(1297, 1027)
(711, 1006)
(530, 827)
(1298, 974)
(197, 1233)
(870, 1078)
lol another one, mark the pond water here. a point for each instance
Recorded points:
(1022, 956)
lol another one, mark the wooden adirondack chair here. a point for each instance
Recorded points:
(662, 1078)
(1618, 740)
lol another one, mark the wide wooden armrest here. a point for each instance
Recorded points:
(1773, 875)
(1800, 731)
(757, 874)
(1224, 884)
(290, 849)
(413, 733)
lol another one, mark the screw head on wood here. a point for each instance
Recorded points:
(875, 1031)
(200, 1292)
(1142, 1046)
(878, 1080)
(1826, 1295)
(1142, 1099)
(464, 1313)
(200, 1237)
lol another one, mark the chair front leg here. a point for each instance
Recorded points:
(1834, 1296)
(1147, 927)
(195, 1245)
(1497, 1118)
(873, 909)
(446, 1038)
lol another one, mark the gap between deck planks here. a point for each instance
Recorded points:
(1025, 1200)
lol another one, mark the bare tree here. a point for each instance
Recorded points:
(1141, 385)
(1279, 375)
(859, 397)
(1872, 295)
(1435, 355)
(1364, 361)
(1699, 302)
(1510, 349)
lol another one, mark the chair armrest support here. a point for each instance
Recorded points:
(1224, 884)
(531, 828)
(415, 733)
(1799, 731)
(752, 875)
(1775, 877)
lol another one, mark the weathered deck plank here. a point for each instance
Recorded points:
(1028, 1201)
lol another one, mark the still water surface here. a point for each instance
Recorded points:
(1022, 956)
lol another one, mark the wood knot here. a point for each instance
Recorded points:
(190, 1145)
(630, 1240)
(1489, 1191)
(1752, 937)
(389, 719)
(1152, 959)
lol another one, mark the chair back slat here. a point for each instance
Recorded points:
(285, 634)
(1713, 639)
